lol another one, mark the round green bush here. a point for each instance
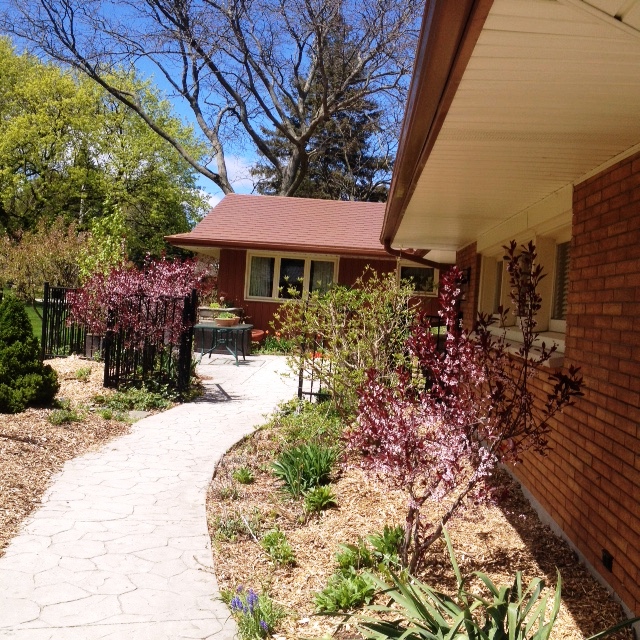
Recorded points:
(24, 379)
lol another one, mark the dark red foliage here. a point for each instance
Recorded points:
(442, 427)
(145, 302)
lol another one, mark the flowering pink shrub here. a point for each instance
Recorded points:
(440, 430)
(145, 303)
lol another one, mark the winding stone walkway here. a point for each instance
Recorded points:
(119, 549)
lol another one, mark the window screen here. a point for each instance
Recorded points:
(321, 275)
(261, 278)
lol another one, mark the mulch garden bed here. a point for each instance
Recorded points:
(498, 539)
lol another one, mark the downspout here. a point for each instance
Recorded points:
(398, 253)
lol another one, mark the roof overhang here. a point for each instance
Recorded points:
(511, 103)
(213, 247)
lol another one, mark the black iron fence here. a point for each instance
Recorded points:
(160, 353)
(59, 337)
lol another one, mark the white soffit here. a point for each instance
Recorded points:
(552, 90)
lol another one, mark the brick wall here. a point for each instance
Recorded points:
(590, 481)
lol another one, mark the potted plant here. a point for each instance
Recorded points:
(208, 313)
(226, 319)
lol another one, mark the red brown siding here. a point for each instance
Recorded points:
(590, 482)
(352, 268)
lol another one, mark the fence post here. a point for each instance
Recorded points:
(186, 340)
(45, 320)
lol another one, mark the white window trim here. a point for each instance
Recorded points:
(555, 334)
(278, 255)
(436, 278)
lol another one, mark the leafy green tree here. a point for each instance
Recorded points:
(238, 65)
(48, 253)
(67, 148)
(105, 247)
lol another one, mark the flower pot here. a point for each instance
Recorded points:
(208, 314)
(226, 322)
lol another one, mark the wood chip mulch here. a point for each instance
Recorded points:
(498, 539)
(32, 450)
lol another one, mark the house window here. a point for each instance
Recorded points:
(497, 292)
(423, 279)
(279, 277)
(561, 282)
(261, 278)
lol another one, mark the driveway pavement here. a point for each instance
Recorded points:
(119, 549)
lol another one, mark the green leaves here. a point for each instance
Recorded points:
(24, 380)
(69, 149)
(304, 467)
(509, 613)
(345, 592)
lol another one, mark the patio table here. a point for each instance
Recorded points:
(232, 338)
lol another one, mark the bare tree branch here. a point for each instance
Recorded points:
(246, 68)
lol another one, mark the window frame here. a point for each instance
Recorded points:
(436, 278)
(278, 256)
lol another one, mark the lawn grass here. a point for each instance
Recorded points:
(36, 321)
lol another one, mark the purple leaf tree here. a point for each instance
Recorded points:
(440, 430)
(144, 303)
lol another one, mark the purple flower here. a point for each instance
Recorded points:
(240, 589)
(264, 625)
(236, 604)
(252, 600)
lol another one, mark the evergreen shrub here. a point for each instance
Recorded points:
(24, 379)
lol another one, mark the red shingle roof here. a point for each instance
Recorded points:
(289, 224)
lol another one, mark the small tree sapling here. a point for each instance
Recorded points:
(442, 429)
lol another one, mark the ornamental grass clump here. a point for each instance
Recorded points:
(488, 612)
(507, 612)
(24, 379)
(444, 424)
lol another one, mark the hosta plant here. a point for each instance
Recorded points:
(277, 546)
(346, 591)
(318, 499)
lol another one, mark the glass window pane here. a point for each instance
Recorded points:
(261, 278)
(423, 278)
(561, 283)
(291, 277)
(321, 276)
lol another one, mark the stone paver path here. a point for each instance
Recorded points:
(119, 549)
